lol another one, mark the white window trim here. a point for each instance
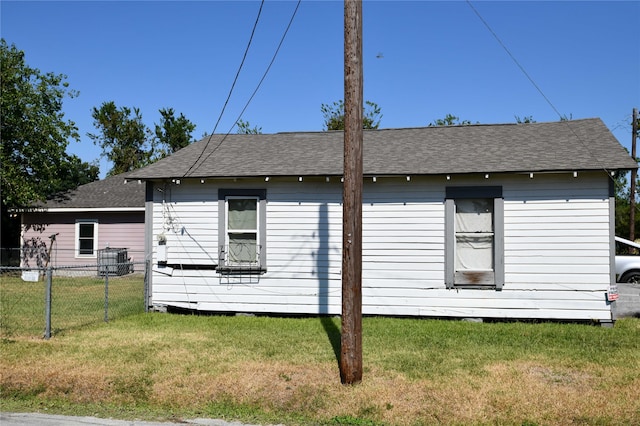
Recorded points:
(95, 238)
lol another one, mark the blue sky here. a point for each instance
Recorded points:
(422, 60)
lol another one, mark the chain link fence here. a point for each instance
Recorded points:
(43, 301)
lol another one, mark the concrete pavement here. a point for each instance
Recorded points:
(40, 419)
(628, 303)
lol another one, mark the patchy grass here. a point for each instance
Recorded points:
(284, 370)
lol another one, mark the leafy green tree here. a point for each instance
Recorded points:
(35, 135)
(123, 137)
(34, 163)
(244, 128)
(75, 173)
(449, 120)
(173, 133)
(334, 115)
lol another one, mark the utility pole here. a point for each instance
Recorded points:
(351, 335)
(634, 174)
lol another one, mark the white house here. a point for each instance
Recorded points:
(490, 221)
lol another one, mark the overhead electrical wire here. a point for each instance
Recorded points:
(513, 58)
(268, 67)
(244, 57)
(259, 83)
(623, 122)
(562, 117)
(195, 164)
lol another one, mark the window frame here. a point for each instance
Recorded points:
(243, 231)
(79, 223)
(260, 195)
(459, 280)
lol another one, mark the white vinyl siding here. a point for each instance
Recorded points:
(189, 221)
(556, 248)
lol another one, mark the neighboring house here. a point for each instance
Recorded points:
(72, 227)
(486, 221)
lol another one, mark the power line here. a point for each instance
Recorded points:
(246, 51)
(269, 66)
(506, 49)
(624, 122)
(562, 118)
(244, 57)
(273, 58)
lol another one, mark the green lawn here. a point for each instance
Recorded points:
(285, 370)
(75, 301)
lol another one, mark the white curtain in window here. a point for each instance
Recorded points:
(474, 252)
(474, 235)
(242, 226)
(243, 214)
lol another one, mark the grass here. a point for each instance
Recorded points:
(75, 302)
(285, 370)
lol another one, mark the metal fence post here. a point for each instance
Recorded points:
(147, 276)
(47, 303)
(106, 296)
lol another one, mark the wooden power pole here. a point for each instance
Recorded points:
(351, 336)
(634, 174)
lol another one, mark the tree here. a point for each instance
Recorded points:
(527, 119)
(623, 205)
(623, 195)
(449, 120)
(173, 134)
(34, 132)
(244, 128)
(123, 137)
(34, 164)
(334, 115)
(75, 173)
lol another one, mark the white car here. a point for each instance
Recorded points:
(628, 265)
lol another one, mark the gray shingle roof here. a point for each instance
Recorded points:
(107, 193)
(556, 146)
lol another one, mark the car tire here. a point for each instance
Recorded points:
(631, 277)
